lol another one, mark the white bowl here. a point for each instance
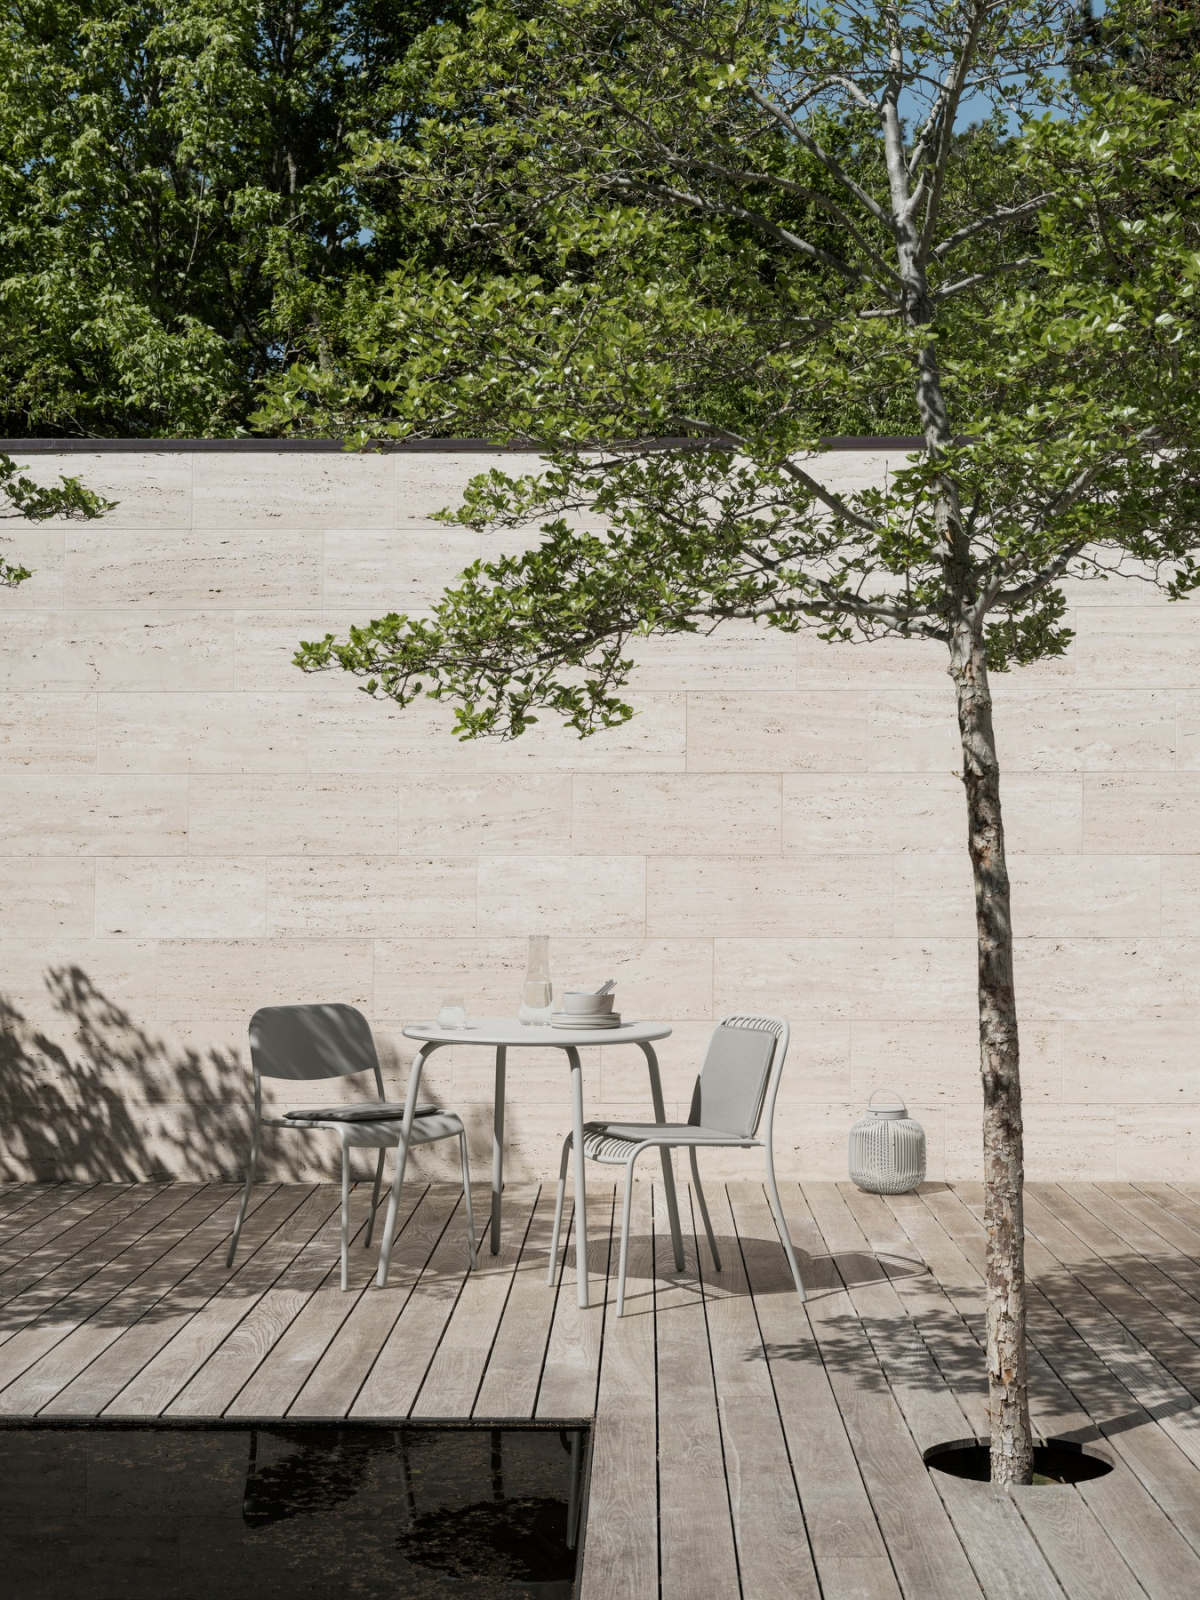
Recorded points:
(580, 1004)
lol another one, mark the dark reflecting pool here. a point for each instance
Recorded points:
(289, 1511)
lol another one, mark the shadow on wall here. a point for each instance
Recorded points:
(108, 1101)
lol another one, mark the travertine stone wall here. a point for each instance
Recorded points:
(189, 828)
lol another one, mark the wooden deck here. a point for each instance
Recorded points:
(742, 1447)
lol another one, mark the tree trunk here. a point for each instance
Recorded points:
(1003, 1145)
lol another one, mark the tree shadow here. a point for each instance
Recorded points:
(107, 1101)
(1123, 1362)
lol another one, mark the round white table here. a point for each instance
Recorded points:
(504, 1034)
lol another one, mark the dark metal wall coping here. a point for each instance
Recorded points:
(50, 447)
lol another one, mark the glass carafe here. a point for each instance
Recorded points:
(538, 999)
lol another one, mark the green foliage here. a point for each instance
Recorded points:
(174, 200)
(753, 245)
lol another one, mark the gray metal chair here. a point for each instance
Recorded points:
(334, 1041)
(735, 1091)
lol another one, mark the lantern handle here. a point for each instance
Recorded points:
(899, 1099)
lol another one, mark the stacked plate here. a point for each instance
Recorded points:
(585, 1020)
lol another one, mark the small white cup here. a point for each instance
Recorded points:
(453, 1013)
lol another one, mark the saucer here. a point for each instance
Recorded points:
(599, 1020)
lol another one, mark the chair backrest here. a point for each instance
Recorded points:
(741, 1070)
(312, 1042)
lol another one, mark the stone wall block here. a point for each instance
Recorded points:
(820, 731)
(46, 897)
(272, 815)
(526, 811)
(180, 897)
(82, 815)
(151, 490)
(747, 896)
(677, 814)
(295, 491)
(48, 733)
(52, 651)
(214, 568)
(562, 895)
(371, 896)
(203, 732)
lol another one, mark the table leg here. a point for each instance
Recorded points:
(660, 1115)
(498, 1147)
(581, 1261)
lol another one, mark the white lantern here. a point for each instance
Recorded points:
(887, 1148)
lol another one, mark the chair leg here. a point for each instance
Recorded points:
(345, 1217)
(626, 1207)
(375, 1197)
(558, 1210)
(466, 1177)
(784, 1236)
(389, 1226)
(708, 1228)
(251, 1168)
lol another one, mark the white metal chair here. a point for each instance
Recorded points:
(334, 1041)
(735, 1091)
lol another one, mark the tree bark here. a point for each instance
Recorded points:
(999, 1061)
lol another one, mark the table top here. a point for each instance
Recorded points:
(508, 1031)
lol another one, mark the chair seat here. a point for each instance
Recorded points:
(614, 1141)
(425, 1129)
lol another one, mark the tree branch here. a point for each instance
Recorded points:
(832, 166)
(1035, 585)
(714, 208)
(945, 109)
(832, 502)
(982, 277)
(999, 219)
(749, 176)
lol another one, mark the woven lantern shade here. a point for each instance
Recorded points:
(887, 1148)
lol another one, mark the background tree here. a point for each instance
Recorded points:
(1152, 45)
(173, 199)
(808, 231)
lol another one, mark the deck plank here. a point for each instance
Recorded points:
(621, 1554)
(291, 1361)
(336, 1379)
(698, 1552)
(925, 1374)
(1151, 1502)
(451, 1385)
(111, 1350)
(27, 1203)
(848, 1547)
(161, 1379)
(211, 1390)
(51, 1351)
(395, 1380)
(774, 1555)
(570, 1374)
(46, 1312)
(50, 1246)
(925, 1550)
(518, 1356)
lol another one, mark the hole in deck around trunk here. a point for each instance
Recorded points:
(1057, 1461)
